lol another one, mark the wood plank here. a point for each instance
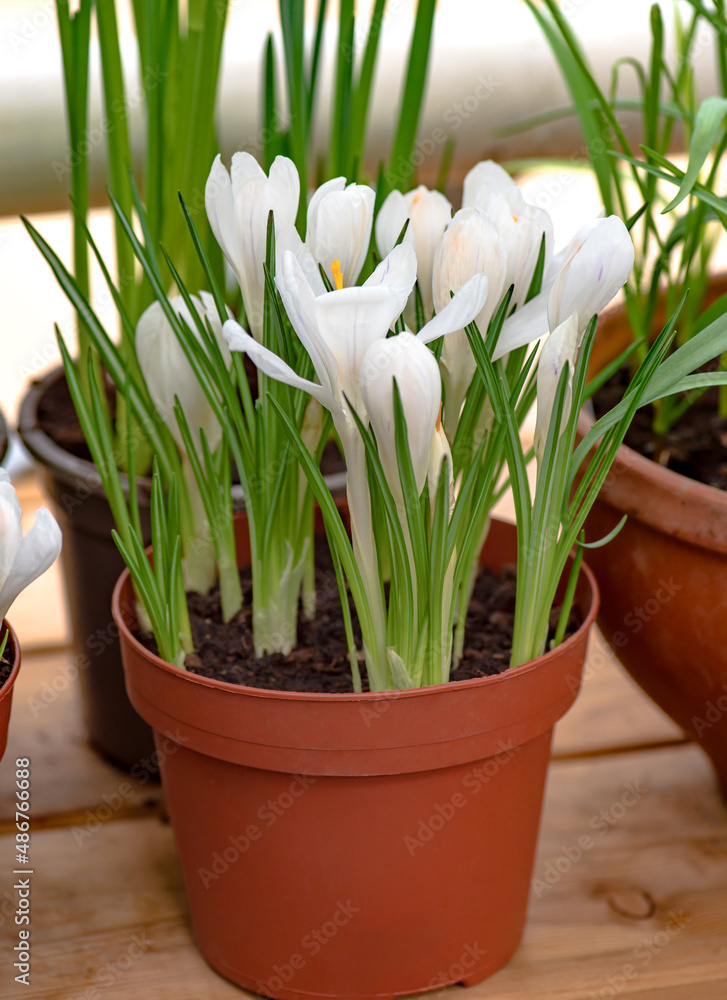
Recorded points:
(669, 847)
(69, 777)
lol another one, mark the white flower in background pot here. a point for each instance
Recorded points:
(238, 205)
(429, 214)
(23, 559)
(471, 245)
(168, 373)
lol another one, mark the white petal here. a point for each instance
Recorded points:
(598, 263)
(300, 306)
(342, 230)
(430, 214)
(405, 359)
(11, 535)
(269, 363)
(390, 222)
(220, 207)
(168, 373)
(37, 551)
(459, 312)
(398, 272)
(349, 321)
(287, 239)
(471, 245)
(285, 184)
(525, 326)
(244, 168)
(484, 180)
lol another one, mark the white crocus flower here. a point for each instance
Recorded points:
(338, 227)
(238, 205)
(561, 347)
(595, 265)
(429, 213)
(336, 329)
(470, 246)
(23, 559)
(521, 225)
(168, 373)
(409, 362)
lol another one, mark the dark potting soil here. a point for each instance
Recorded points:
(320, 663)
(57, 418)
(695, 447)
(6, 667)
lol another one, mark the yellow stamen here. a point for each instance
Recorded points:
(336, 272)
(438, 428)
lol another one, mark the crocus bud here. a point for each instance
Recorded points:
(167, 371)
(522, 226)
(407, 360)
(470, 245)
(429, 213)
(339, 227)
(561, 346)
(238, 205)
(439, 452)
(23, 559)
(595, 266)
(591, 270)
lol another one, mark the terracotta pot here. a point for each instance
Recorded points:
(91, 564)
(357, 846)
(12, 653)
(663, 580)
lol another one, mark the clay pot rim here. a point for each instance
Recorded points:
(14, 646)
(660, 498)
(65, 466)
(120, 617)
(659, 476)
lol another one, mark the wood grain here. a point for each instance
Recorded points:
(94, 899)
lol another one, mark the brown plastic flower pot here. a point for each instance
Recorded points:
(91, 564)
(357, 846)
(12, 655)
(663, 579)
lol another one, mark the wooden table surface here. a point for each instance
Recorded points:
(641, 914)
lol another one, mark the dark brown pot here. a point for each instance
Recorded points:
(12, 654)
(91, 565)
(663, 580)
(357, 846)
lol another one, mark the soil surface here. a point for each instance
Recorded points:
(320, 663)
(696, 447)
(6, 668)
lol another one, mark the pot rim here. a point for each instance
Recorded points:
(14, 645)
(66, 466)
(120, 616)
(660, 476)
(661, 498)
